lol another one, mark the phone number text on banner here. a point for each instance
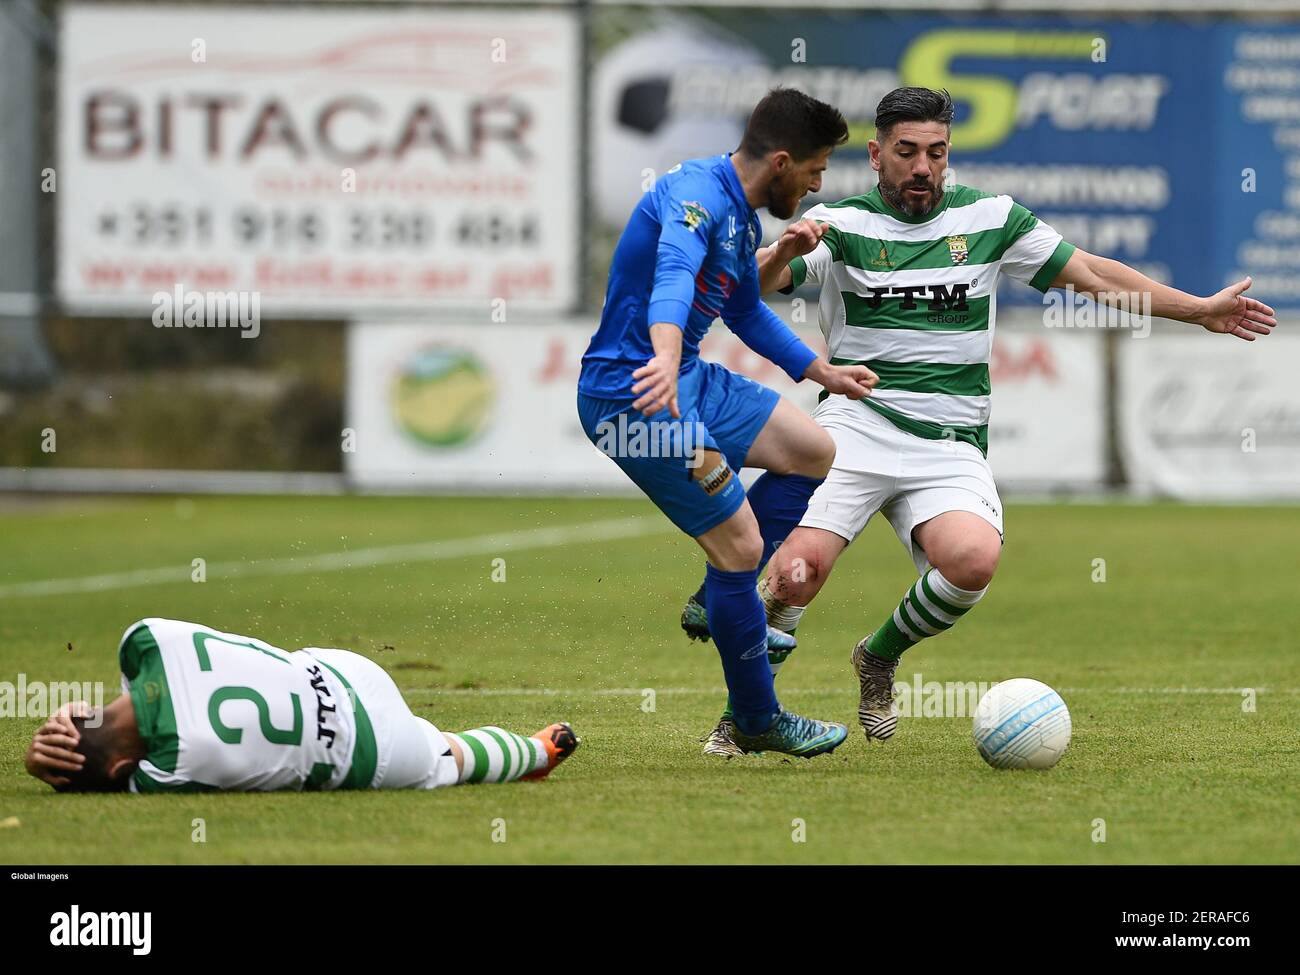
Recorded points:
(327, 159)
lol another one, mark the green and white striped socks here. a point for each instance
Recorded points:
(781, 617)
(931, 606)
(496, 755)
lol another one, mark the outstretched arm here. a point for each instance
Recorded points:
(1111, 282)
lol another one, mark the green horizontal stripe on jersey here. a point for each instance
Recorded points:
(151, 698)
(976, 436)
(982, 247)
(888, 313)
(365, 752)
(927, 377)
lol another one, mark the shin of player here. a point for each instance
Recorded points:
(956, 553)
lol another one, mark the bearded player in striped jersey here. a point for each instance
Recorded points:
(908, 276)
(202, 710)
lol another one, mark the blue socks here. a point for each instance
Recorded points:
(779, 501)
(737, 619)
(738, 623)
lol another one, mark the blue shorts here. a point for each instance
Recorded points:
(720, 411)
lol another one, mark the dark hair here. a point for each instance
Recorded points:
(99, 745)
(788, 119)
(913, 105)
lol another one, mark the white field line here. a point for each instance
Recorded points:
(722, 691)
(454, 548)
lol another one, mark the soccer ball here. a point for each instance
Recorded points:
(1022, 723)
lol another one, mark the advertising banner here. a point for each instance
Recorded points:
(1209, 417)
(493, 407)
(1171, 145)
(327, 160)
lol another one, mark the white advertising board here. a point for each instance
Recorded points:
(328, 160)
(1047, 431)
(1209, 417)
(492, 407)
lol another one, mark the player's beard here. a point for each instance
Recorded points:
(782, 197)
(896, 196)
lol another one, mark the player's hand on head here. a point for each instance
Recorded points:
(72, 709)
(656, 386)
(1230, 312)
(53, 749)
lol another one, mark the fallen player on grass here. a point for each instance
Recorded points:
(203, 710)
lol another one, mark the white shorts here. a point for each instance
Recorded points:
(413, 754)
(879, 467)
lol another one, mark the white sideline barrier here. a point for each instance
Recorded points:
(1211, 417)
(492, 408)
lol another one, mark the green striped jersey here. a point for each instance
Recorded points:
(222, 711)
(914, 299)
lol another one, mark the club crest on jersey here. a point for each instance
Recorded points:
(957, 249)
(694, 215)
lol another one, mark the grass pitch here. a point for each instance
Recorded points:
(1198, 603)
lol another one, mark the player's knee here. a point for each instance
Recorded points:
(740, 553)
(971, 566)
(823, 454)
(795, 577)
(816, 455)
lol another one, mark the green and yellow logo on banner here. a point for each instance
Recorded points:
(443, 397)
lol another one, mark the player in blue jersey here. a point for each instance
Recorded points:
(681, 428)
